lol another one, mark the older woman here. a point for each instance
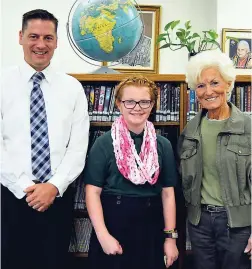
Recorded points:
(215, 163)
(130, 176)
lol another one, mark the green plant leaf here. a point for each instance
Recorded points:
(182, 31)
(163, 34)
(212, 34)
(181, 37)
(188, 25)
(168, 25)
(165, 46)
(160, 38)
(190, 46)
(195, 35)
(187, 33)
(174, 24)
(179, 34)
(184, 37)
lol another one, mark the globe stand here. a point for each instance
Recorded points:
(105, 70)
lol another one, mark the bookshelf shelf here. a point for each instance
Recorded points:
(100, 124)
(119, 77)
(161, 78)
(166, 123)
(243, 78)
(112, 79)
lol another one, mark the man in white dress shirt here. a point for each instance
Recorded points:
(37, 206)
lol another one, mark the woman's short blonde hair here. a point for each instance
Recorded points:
(210, 59)
(138, 81)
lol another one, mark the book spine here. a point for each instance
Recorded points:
(161, 115)
(177, 104)
(249, 98)
(96, 102)
(238, 97)
(111, 105)
(101, 103)
(91, 103)
(173, 103)
(158, 105)
(192, 104)
(169, 89)
(106, 103)
(165, 93)
(242, 99)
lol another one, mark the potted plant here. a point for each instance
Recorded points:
(176, 38)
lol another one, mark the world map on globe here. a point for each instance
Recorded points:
(106, 30)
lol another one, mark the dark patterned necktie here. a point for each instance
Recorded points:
(40, 150)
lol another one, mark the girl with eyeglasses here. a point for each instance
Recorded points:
(130, 176)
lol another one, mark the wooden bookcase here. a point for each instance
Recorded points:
(179, 79)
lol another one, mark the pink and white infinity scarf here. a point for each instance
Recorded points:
(137, 168)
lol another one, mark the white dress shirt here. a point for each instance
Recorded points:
(68, 128)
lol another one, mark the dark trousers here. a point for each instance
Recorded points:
(32, 239)
(137, 223)
(216, 246)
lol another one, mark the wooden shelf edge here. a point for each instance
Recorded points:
(154, 77)
(119, 77)
(166, 123)
(243, 78)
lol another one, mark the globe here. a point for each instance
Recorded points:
(105, 30)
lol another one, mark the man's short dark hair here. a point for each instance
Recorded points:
(38, 14)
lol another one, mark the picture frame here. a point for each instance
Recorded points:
(145, 57)
(237, 44)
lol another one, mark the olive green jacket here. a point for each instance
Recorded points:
(233, 160)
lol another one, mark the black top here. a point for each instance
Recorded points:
(101, 168)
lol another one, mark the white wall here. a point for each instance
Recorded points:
(204, 15)
(234, 14)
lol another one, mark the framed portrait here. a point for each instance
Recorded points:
(237, 44)
(144, 58)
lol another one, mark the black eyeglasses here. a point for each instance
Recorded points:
(130, 104)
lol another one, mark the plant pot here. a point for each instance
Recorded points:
(190, 54)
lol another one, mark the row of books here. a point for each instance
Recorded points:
(101, 102)
(79, 199)
(102, 108)
(193, 106)
(241, 97)
(167, 107)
